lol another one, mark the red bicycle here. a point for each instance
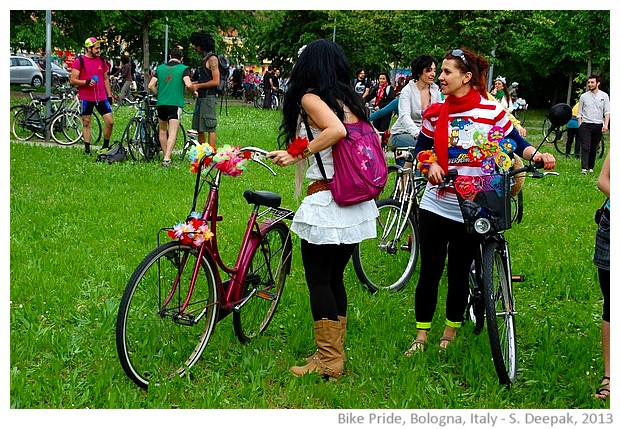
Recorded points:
(176, 295)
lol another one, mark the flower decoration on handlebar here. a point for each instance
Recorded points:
(425, 159)
(469, 186)
(228, 159)
(202, 151)
(193, 232)
(297, 146)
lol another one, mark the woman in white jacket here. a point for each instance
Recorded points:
(416, 96)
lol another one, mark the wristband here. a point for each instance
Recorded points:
(87, 82)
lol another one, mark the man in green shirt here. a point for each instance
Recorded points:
(168, 84)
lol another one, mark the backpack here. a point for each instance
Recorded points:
(223, 65)
(116, 153)
(360, 169)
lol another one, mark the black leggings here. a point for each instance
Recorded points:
(441, 237)
(604, 280)
(324, 266)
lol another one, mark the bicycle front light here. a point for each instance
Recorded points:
(482, 225)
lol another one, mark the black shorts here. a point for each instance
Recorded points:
(103, 107)
(165, 113)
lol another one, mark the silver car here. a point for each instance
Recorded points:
(25, 70)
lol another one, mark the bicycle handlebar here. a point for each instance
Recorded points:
(258, 155)
(533, 168)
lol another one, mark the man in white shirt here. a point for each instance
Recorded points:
(593, 118)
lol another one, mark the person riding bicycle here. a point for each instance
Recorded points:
(90, 73)
(473, 135)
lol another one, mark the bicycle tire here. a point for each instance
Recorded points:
(133, 139)
(258, 101)
(266, 274)
(19, 126)
(181, 139)
(388, 261)
(391, 185)
(474, 311)
(549, 137)
(560, 141)
(66, 128)
(153, 342)
(500, 314)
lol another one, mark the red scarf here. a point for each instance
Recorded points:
(380, 93)
(451, 105)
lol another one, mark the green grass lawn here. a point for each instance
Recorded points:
(79, 228)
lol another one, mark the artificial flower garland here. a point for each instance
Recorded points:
(193, 232)
(228, 159)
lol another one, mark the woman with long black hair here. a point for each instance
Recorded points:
(320, 95)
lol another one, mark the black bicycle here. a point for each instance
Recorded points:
(141, 135)
(559, 138)
(488, 213)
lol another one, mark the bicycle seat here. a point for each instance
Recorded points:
(263, 198)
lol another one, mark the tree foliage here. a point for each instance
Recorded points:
(549, 52)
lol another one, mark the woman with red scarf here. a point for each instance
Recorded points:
(385, 94)
(454, 129)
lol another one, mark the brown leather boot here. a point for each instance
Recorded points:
(328, 360)
(343, 324)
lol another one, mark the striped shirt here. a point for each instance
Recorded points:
(466, 131)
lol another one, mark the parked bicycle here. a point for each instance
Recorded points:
(177, 294)
(559, 138)
(64, 125)
(275, 100)
(388, 261)
(141, 135)
(488, 213)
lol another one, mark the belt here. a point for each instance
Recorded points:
(318, 186)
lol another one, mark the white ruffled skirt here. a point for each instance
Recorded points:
(319, 220)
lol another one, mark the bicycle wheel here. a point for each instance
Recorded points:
(66, 128)
(549, 137)
(388, 261)
(392, 185)
(264, 282)
(20, 126)
(475, 302)
(560, 141)
(258, 101)
(153, 340)
(181, 140)
(500, 313)
(134, 139)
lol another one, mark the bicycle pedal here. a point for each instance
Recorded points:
(517, 278)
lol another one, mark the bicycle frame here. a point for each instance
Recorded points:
(229, 291)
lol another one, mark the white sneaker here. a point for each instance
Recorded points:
(590, 171)
(584, 171)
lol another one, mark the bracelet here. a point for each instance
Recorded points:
(299, 146)
(425, 159)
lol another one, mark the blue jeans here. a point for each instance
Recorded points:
(402, 141)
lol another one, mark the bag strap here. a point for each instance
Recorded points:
(304, 117)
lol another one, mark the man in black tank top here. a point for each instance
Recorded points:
(207, 77)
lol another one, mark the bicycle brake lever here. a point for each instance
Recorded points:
(258, 155)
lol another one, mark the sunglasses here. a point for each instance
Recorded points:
(459, 53)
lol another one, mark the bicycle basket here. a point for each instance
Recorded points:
(485, 202)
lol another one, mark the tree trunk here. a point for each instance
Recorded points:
(146, 67)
